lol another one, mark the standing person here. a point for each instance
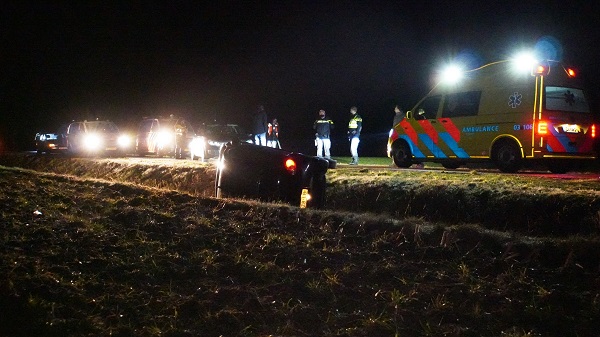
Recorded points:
(180, 137)
(398, 116)
(354, 128)
(323, 126)
(273, 134)
(260, 126)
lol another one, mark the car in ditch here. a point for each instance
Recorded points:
(96, 137)
(246, 170)
(164, 137)
(211, 137)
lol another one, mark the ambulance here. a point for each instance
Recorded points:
(503, 115)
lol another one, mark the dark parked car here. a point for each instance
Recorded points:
(211, 137)
(269, 174)
(51, 142)
(164, 137)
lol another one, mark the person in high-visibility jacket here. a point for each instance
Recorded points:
(273, 134)
(354, 128)
(323, 126)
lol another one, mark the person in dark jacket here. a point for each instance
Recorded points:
(323, 126)
(398, 117)
(260, 126)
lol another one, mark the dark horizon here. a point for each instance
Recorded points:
(123, 61)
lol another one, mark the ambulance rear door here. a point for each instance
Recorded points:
(569, 122)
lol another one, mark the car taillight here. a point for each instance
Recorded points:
(290, 165)
(593, 130)
(542, 128)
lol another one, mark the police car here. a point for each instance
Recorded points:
(503, 114)
(164, 137)
(51, 142)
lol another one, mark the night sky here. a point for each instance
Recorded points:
(124, 60)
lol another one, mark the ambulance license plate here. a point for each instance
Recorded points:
(570, 128)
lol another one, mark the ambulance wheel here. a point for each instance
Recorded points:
(401, 155)
(507, 156)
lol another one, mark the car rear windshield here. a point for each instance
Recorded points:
(566, 99)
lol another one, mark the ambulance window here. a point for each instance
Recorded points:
(428, 108)
(462, 104)
(566, 99)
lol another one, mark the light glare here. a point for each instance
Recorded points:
(124, 141)
(92, 142)
(524, 62)
(451, 74)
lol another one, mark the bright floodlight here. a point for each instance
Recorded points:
(524, 62)
(451, 74)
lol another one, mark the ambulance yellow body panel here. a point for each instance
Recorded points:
(497, 114)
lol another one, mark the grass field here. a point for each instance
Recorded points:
(134, 247)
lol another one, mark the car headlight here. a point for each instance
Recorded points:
(197, 145)
(124, 141)
(164, 139)
(92, 142)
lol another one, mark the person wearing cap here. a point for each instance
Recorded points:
(354, 128)
(323, 127)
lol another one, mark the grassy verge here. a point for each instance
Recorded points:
(130, 247)
(91, 258)
(521, 204)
